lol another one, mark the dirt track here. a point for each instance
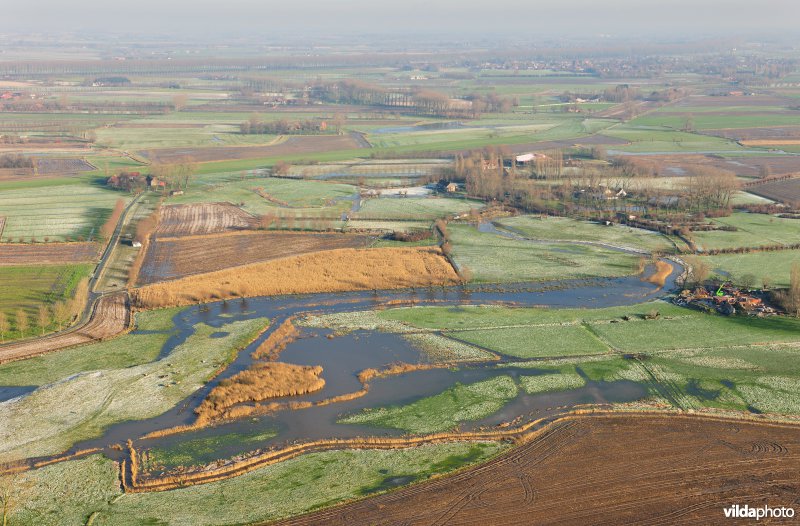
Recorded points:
(615, 469)
(111, 316)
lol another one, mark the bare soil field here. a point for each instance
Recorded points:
(327, 271)
(62, 166)
(202, 218)
(177, 257)
(15, 174)
(22, 254)
(611, 469)
(787, 191)
(746, 135)
(111, 316)
(295, 145)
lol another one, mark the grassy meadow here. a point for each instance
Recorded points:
(493, 258)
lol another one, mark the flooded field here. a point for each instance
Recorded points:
(343, 357)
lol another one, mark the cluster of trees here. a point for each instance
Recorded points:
(128, 181)
(591, 189)
(284, 127)
(175, 176)
(15, 161)
(789, 299)
(417, 101)
(64, 104)
(111, 223)
(7, 138)
(491, 103)
(710, 189)
(46, 317)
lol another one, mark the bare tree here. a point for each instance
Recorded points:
(62, 313)
(13, 493)
(3, 326)
(43, 317)
(700, 270)
(21, 321)
(794, 290)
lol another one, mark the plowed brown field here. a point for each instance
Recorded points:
(787, 191)
(202, 218)
(177, 257)
(111, 316)
(615, 469)
(62, 253)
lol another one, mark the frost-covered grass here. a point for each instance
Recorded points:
(440, 349)
(368, 320)
(69, 492)
(63, 493)
(81, 406)
(551, 382)
(417, 208)
(533, 342)
(444, 411)
(126, 351)
(56, 212)
(495, 259)
(562, 228)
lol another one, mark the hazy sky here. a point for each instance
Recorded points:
(485, 17)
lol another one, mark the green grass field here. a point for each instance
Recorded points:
(442, 412)
(560, 229)
(752, 230)
(28, 287)
(201, 451)
(705, 120)
(493, 258)
(472, 317)
(126, 351)
(455, 135)
(133, 139)
(304, 198)
(658, 139)
(774, 266)
(56, 212)
(416, 208)
(536, 342)
(687, 358)
(676, 328)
